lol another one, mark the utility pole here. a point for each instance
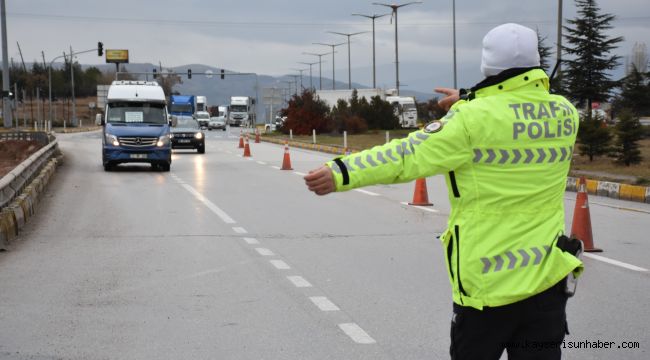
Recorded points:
(349, 56)
(395, 7)
(311, 85)
(559, 44)
(6, 102)
(333, 69)
(300, 71)
(74, 102)
(373, 17)
(320, 69)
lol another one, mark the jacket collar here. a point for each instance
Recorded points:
(508, 80)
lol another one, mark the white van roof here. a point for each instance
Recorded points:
(135, 91)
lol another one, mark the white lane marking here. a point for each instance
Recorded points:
(323, 303)
(366, 192)
(261, 162)
(299, 281)
(251, 241)
(615, 262)
(276, 167)
(613, 206)
(249, 158)
(239, 230)
(299, 173)
(421, 207)
(356, 333)
(264, 252)
(210, 205)
(279, 264)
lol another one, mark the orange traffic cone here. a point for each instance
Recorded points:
(581, 226)
(241, 140)
(257, 136)
(420, 195)
(247, 148)
(286, 161)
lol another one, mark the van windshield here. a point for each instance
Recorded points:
(238, 108)
(181, 108)
(136, 112)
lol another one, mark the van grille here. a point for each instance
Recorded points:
(138, 141)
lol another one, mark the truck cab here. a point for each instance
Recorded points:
(241, 111)
(136, 125)
(405, 110)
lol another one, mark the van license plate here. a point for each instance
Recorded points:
(138, 156)
(184, 141)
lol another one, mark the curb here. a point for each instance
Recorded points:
(13, 218)
(330, 149)
(613, 190)
(594, 187)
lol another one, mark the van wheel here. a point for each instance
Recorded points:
(201, 149)
(165, 167)
(108, 166)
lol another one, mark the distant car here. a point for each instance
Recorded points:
(217, 122)
(279, 121)
(187, 134)
(203, 117)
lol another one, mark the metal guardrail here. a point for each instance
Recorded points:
(12, 184)
(40, 136)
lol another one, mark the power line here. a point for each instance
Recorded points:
(160, 21)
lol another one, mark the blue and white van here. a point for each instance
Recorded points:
(136, 125)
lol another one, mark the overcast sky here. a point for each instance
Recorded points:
(269, 36)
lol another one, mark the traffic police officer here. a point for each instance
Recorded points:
(505, 148)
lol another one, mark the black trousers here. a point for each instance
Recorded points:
(533, 328)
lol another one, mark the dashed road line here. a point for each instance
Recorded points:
(324, 304)
(209, 204)
(615, 262)
(421, 207)
(299, 281)
(239, 230)
(261, 162)
(275, 167)
(613, 206)
(280, 265)
(299, 173)
(264, 252)
(366, 192)
(356, 333)
(251, 241)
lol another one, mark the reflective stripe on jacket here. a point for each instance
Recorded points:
(506, 156)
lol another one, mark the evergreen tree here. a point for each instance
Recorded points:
(594, 136)
(544, 54)
(586, 77)
(628, 133)
(635, 94)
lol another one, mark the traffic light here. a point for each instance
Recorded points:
(189, 73)
(223, 74)
(100, 48)
(155, 73)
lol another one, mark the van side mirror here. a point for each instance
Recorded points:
(173, 121)
(99, 120)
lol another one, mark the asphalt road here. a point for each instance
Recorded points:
(227, 257)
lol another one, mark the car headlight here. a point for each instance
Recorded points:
(112, 139)
(198, 135)
(163, 140)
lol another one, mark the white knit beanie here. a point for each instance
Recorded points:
(509, 46)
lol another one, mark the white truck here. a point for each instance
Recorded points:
(405, 110)
(201, 103)
(241, 111)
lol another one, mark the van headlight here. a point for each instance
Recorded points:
(198, 135)
(163, 140)
(111, 139)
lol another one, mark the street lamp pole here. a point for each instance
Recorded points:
(300, 71)
(311, 85)
(349, 56)
(395, 7)
(320, 69)
(333, 69)
(454, 31)
(373, 17)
